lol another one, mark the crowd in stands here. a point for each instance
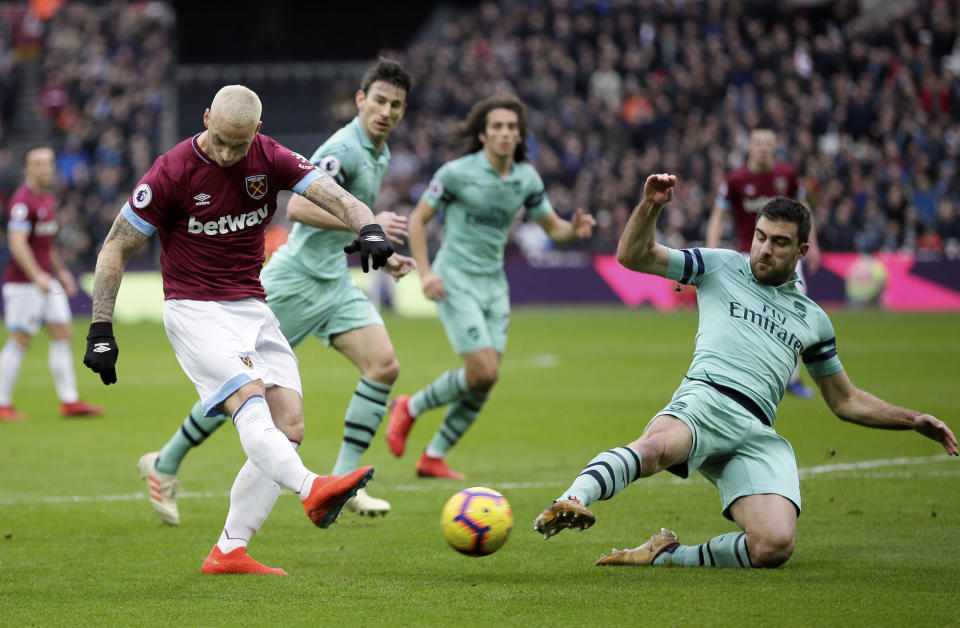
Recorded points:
(866, 109)
(868, 112)
(105, 73)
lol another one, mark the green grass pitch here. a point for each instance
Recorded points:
(877, 542)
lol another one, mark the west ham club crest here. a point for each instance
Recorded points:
(257, 186)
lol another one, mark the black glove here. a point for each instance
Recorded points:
(372, 241)
(102, 352)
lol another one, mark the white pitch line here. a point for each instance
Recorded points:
(841, 469)
(869, 464)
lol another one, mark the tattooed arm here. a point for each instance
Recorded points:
(326, 193)
(122, 242)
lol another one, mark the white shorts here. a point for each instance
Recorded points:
(222, 345)
(26, 307)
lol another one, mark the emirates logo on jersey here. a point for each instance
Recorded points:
(256, 186)
(780, 184)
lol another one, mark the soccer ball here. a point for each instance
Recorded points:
(476, 521)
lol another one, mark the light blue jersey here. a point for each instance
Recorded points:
(479, 206)
(751, 335)
(351, 158)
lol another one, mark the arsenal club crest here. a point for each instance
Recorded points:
(800, 309)
(257, 186)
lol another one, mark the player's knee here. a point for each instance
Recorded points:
(385, 371)
(60, 331)
(651, 450)
(482, 379)
(20, 339)
(771, 548)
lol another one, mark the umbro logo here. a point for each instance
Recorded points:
(101, 347)
(202, 199)
(373, 238)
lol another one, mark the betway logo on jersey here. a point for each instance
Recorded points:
(48, 228)
(754, 205)
(228, 224)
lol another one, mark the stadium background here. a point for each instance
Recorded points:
(864, 95)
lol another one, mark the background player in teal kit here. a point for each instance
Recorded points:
(310, 291)
(479, 194)
(754, 327)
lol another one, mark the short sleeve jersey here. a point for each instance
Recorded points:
(34, 213)
(479, 206)
(750, 334)
(211, 220)
(745, 192)
(351, 158)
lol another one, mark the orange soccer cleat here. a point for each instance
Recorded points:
(399, 425)
(330, 492)
(430, 467)
(236, 562)
(10, 415)
(79, 408)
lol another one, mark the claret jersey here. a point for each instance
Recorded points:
(34, 213)
(211, 220)
(745, 192)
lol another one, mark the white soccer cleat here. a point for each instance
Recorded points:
(363, 504)
(163, 489)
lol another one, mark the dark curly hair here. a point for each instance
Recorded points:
(476, 123)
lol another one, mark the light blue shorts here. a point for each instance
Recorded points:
(476, 312)
(732, 448)
(307, 306)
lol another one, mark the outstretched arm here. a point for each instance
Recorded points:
(858, 406)
(327, 194)
(122, 242)
(560, 230)
(300, 209)
(637, 249)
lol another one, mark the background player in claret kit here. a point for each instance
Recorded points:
(310, 291)
(754, 325)
(480, 193)
(744, 192)
(36, 285)
(210, 199)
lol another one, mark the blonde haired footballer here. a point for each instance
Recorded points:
(209, 200)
